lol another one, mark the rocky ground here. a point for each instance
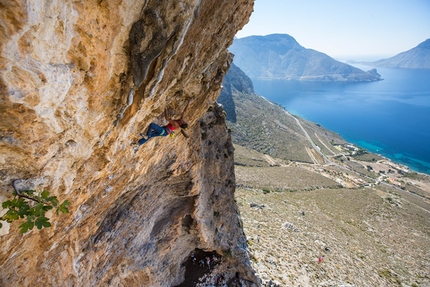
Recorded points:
(358, 221)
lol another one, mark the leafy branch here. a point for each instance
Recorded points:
(32, 206)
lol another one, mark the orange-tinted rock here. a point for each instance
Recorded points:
(75, 92)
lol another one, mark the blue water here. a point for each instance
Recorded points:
(389, 117)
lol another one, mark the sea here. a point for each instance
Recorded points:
(389, 117)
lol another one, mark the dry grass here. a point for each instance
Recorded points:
(291, 178)
(249, 157)
(364, 233)
(366, 236)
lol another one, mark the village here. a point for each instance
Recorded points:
(355, 167)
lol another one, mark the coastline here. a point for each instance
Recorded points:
(365, 168)
(389, 114)
(398, 161)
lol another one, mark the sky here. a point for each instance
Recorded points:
(345, 29)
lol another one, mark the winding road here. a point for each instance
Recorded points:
(310, 140)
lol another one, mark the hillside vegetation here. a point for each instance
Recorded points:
(318, 211)
(366, 234)
(266, 127)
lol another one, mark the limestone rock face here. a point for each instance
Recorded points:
(79, 81)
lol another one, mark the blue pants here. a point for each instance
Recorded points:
(154, 130)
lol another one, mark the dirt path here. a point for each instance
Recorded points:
(310, 140)
(324, 144)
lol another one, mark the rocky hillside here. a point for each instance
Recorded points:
(318, 211)
(266, 127)
(331, 225)
(329, 213)
(79, 81)
(279, 56)
(415, 58)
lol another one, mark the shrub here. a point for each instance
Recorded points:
(32, 206)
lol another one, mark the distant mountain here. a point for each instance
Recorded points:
(415, 58)
(279, 56)
(261, 125)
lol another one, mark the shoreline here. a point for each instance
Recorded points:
(382, 113)
(357, 143)
(398, 162)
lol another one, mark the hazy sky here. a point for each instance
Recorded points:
(366, 29)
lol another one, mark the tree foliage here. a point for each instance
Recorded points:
(32, 206)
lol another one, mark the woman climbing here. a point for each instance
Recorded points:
(155, 130)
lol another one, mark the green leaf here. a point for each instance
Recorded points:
(1, 225)
(11, 215)
(44, 194)
(38, 210)
(20, 202)
(28, 225)
(39, 206)
(24, 228)
(29, 192)
(13, 203)
(53, 200)
(30, 218)
(42, 222)
(23, 210)
(6, 204)
(64, 207)
(47, 207)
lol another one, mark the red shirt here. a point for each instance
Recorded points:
(171, 127)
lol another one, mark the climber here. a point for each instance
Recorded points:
(155, 130)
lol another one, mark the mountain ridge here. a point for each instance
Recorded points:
(415, 58)
(280, 56)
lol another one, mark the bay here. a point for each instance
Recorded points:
(389, 117)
